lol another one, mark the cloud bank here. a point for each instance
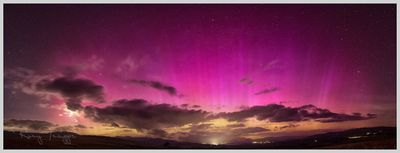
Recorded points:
(140, 114)
(280, 113)
(39, 126)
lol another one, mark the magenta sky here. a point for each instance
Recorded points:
(220, 57)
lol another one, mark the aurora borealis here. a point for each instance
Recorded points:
(199, 73)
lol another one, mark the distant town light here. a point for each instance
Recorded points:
(354, 137)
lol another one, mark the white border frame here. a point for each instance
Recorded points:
(189, 2)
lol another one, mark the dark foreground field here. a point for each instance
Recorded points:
(363, 138)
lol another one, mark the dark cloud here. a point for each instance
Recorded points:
(73, 90)
(80, 126)
(153, 118)
(185, 105)
(158, 85)
(34, 125)
(284, 115)
(158, 133)
(114, 124)
(266, 91)
(246, 81)
(344, 117)
(371, 115)
(140, 114)
(249, 130)
(280, 113)
(74, 104)
(268, 110)
(196, 106)
(290, 125)
(243, 107)
(190, 106)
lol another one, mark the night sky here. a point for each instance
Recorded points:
(193, 72)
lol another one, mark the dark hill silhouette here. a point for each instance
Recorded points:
(361, 138)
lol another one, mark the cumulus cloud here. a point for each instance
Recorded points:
(140, 114)
(157, 85)
(73, 90)
(280, 113)
(266, 91)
